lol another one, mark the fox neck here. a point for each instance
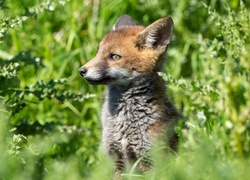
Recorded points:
(143, 90)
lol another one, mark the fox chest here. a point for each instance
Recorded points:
(127, 126)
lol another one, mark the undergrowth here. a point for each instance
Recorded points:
(49, 127)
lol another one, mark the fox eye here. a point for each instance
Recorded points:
(115, 56)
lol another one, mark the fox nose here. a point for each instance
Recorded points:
(82, 71)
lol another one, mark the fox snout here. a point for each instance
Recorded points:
(101, 75)
(82, 70)
(94, 75)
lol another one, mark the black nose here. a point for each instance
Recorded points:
(82, 71)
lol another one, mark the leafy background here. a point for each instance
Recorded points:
(49, 126)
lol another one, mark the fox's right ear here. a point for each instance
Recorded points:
(123, 21)
(157, 35)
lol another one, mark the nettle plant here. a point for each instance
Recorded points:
(16, 97)
(217, 101)
(7, 23)
(230, 51)
(21, 98)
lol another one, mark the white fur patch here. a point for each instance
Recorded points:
(121, 75)
(94, 74)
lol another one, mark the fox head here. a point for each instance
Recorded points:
(128, 52)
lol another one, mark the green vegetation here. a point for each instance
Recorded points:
(49, 116)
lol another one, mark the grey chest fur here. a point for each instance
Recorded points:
(127, 114)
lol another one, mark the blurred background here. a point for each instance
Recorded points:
(49, 116)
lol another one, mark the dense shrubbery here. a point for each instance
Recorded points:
(49, 124)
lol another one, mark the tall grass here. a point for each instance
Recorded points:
(49, 126)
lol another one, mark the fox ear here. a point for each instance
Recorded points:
(123, 21)
(157, 35)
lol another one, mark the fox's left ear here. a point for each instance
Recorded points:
(123, 21)
(157, 35)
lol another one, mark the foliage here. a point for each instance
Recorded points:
(49, 127)
(219, 95)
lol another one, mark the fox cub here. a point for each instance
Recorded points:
(136, 110)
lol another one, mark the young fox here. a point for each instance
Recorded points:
(136, 109)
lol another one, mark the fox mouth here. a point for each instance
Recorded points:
(105, 80)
